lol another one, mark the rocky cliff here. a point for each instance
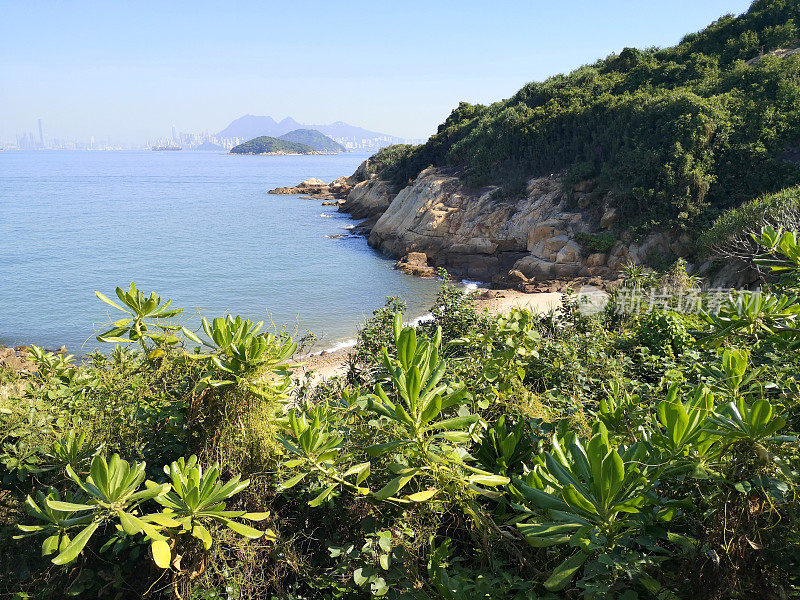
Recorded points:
(368, 200)
(550, 233)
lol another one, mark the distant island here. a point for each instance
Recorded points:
(311, 137)
(300, 141)
(350, 136)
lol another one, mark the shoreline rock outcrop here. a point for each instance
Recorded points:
(536, 242)
(335, 190)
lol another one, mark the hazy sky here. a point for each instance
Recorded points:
(131, 70)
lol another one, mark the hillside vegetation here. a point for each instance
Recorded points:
(271, 145)
(315, 139)
(678, 134)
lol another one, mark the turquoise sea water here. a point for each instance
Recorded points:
(196, 227)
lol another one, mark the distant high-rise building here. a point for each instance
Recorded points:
(41, 135)
(174, 135)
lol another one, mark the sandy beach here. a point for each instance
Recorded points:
(332, 364)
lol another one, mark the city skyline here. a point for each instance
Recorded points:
(188, 140)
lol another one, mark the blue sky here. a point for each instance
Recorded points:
(131, 70)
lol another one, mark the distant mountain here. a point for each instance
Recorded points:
(313, 138)
(270, 145)
(340, 129)
(350, 136)
(252, 126)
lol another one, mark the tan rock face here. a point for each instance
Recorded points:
(597, 259)
(542, 232)
(476, 235)
(467, 229)
(368, 199)
(569, 253)
(609, 217)
(416, 263)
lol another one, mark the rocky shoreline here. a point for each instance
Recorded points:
(316, 188)
(551, 238)
(18, 358)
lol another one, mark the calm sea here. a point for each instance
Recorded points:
(196, 227)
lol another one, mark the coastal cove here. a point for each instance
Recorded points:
(196, 227)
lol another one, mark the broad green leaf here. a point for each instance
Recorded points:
(107, 301)
(381, 449)
(547, 534)
(256, 516)
(564, 572)
(50, 545)
(68, 506)
(422, 496)
(129, 523)
(394, 486)
(290, 483)
(577, 500)
(191, 335)
(539, 497)
(202, 534)
(322, 496)
(244, 530)
(162, 555)
(491, 480)
(455, 422)
(75, 547)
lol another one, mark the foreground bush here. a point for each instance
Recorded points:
(521, 456)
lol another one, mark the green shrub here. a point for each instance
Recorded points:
(664, 333)
(597, 242)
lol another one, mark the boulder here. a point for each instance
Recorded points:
(487, 294)
(597, 259)
(317, 188)
(480, 267)
(609, 217)
(542, 231)
(517, 276)
(535, 268)
(368, 200)
(569, 253)
(556, 243)
(416, 263)
(567, 270)
(619, 250)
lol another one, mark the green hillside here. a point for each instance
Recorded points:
(271, 145)
(315, 139)
(679, 134)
